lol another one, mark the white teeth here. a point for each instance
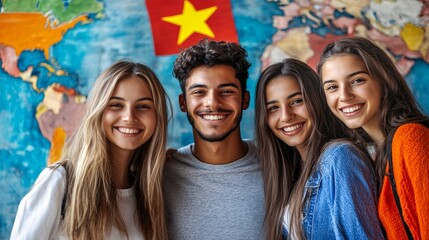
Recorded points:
(213, 117)
(292, 128)
(128, 130)
(351, 109)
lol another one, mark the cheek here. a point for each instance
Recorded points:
(330, 100)
(375, 96)
(108, 118)
(150, 121)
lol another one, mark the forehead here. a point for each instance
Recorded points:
(282, 86)
(132, 86)
(342, 65)
(212, 77)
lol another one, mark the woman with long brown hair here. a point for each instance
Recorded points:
(365, 90)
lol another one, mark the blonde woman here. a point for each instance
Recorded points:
(108, 183)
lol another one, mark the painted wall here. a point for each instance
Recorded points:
(51, 52)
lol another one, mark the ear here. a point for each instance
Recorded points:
(182, 103)
(246, 99)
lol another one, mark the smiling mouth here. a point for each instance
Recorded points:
(128, 130)
(213, 117)
(290, 130)
(353, 109)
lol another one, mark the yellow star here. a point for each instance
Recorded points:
(192, 21)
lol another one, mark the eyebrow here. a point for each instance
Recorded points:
(138, 100)
(193, 86)
(288, 97)
(348, 76)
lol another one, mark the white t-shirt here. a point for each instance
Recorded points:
(39, 213)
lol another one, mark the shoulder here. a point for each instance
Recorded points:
(410, 146)
(50, 179)
(180, 158)
(411, 132)
(53, 175)
(345, 155)
(339, 148)
(252, 149)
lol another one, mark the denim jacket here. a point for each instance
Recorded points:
(340, 200)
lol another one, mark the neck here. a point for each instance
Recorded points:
(120, 161)
(229, 150)
(374, 130)
(376, 135)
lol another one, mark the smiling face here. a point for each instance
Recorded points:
(213, 102)
(352, 94)
(129, 118)
(287, 114)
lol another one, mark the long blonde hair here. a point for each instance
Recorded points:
(91, 206)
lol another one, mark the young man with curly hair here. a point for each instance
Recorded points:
(213, 187)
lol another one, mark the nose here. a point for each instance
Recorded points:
(346, 94)
(212, 101)
(287, 114)
(128, 115)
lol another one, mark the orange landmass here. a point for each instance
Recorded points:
(29, 31)
(57, 144)
(62, 89)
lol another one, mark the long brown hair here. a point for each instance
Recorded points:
(91, 206)
(285, 174)
(397, 106)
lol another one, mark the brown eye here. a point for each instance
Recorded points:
(331, 88)
(115, 106)
(142, 107)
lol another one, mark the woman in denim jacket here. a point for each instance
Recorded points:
(317, 186)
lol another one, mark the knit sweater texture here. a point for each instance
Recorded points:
(410, 156)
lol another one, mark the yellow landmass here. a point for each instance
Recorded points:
(296, 44)
(413, 36)
(29, 31)
(354, 7)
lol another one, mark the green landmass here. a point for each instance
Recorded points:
(56, 8)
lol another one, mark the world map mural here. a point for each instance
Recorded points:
(52, 51)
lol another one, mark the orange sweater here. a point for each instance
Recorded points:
(410, 156)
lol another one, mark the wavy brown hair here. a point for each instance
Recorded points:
(285, 174)
(397, 106)
(91, 206)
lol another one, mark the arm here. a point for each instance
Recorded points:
(39, 213)
(410, 155)
(354, 200)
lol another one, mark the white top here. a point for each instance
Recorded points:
(39, 213)
(287, 221)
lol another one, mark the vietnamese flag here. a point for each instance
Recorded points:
(178, 24)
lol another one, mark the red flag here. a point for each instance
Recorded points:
(178, 24)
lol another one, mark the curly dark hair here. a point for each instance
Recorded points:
(210, 53)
